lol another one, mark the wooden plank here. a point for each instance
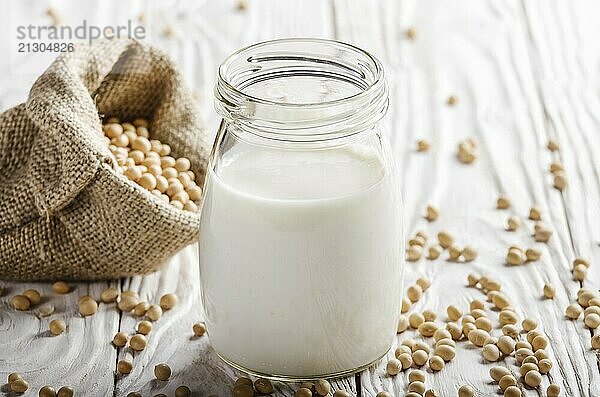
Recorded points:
(481, 52)
(82, 357)
(566, 59)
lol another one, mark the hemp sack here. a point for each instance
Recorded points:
(65, 213)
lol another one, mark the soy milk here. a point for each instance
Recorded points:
(300, 259)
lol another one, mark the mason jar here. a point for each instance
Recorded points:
(301, 255)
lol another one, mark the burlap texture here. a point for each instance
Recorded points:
(65, 213)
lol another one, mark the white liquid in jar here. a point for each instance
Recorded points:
(300, 260)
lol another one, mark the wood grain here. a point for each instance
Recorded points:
(523, 71)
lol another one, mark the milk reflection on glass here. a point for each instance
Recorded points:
(301, 237)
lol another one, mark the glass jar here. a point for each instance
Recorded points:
(301, 252)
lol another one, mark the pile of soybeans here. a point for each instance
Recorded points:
(148, 162)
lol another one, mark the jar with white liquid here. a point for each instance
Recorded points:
(301, 253)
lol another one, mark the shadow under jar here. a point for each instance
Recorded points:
(301, 255)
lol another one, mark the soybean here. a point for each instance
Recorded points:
(162, 372)
(548, 291)
(431, 213)
(124, 367)
(490, 352)
(138, 342)
(436, 363)
(20, 302)
(496, 373)
(65, 391)
(322, 387)
(502, 203)
(512, 391)
(19, 385)
(183, 391)
(420, 357)
(263, 386)
(393, 367)
(144, 327)
(57, 327)
(109, 295)
(154, 312)
(466, 391)
(47, 391)
(533, 378)
(414, 293)
(243, 390)
(87, 306)
(507, 381)
(199, 329)
(553, 390)
(445, 239)
(60, 287)
(573, 311)
(33, 296)
(417, 387)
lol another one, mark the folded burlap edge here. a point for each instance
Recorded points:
(129, 231)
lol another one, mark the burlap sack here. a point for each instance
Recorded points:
(65, 213)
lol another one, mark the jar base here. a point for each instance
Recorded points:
(291, 378)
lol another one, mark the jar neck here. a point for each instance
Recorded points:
(301, 90)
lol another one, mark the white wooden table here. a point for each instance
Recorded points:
(523, 72)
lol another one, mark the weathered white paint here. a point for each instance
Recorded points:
(523, 71)
(82, 356)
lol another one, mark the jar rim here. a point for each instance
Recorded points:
(342, 89)
(378, 78)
